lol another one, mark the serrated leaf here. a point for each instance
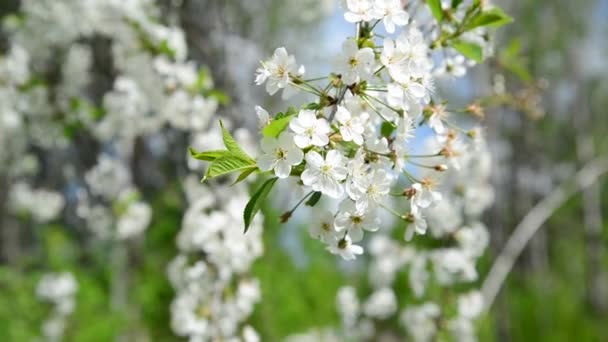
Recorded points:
(277, 126)
(245, 174)
(228, 164)
(314, 199)
(494, 17)
(232, 145)
(255, 203)
(435, 6)
(209, 155)
(469, 50)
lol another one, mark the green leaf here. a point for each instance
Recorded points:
(469, 50)
(314, 199)
(219, 95)
(387, 129)
(227, 164)
(513, 49)
(513, 61)
(255, 203)
(312, 106)
(289, 112)
(494, 17)
(165, 49)
(245, 174)
(209, 155)
(435, 6)
(232, 145)
(203, 81)
(456, 3)
(277, 126)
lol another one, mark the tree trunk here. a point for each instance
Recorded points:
(596, 280)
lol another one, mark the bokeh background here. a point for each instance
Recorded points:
(551, 121)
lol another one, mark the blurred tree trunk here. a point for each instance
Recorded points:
(9, 233)
(596, 282)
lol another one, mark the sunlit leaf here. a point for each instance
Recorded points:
(226, 165)
(435, 6)
(277, 126)
(209, 155)
(231, 144)
(469, 50)
(494, 17)
(245, 174)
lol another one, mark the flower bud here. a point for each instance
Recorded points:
(409, 192)
(476, 110)
(409, 218)
(336, 137)
(285, 217)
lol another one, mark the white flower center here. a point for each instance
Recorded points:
(326, 168)
(281, 72)
(280, 153)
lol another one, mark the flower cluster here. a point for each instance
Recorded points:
(112, 209)
(59, 289)
(42, 205)
(152, 86)
(436, 308)
(354, 144)
(99, 93)
(214, 293)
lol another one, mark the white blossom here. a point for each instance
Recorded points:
(309, 130)
(381, 304)
(371, 190)
(322, 226)
(355, 64)
(134, 220)
(263, 117)
(392, 13)
(354, 221)
(351, 128)
(344, 247)
(280, 155)
(360, 10)
(277, 72)
(325, 174)
(420, 321)
(417, 225)
(424, 196)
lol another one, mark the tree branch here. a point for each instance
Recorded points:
(533, 221)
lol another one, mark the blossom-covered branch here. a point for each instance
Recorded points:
(354, 144)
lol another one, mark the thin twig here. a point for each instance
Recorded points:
(533, 221)
(341, 95)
